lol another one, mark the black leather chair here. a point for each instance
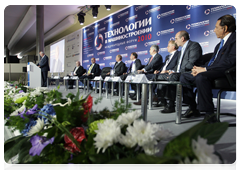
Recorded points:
(227, 83)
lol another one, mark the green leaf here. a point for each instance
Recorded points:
(14, 150)
(122, 164)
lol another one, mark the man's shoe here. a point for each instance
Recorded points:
(70, 87)
(210, 118)
(189, 113)
(155, 99)
(168, 109)
(138, 103)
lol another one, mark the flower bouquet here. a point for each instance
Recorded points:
(53, 130)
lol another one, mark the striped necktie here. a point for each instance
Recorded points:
(90, 68)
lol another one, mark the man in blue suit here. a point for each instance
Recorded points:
(43, 64)
(224, 57)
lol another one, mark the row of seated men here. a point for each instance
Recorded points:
(185, 66)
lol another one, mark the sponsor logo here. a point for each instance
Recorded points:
(101, 53)
(123, 14)
(168, 31)
(197, 24)
(114, 50)
(131, 18)
(112, 63)
(116, 23)
(150, 43)
(180, 19)
(142, 52)
(107, 58)
(218, 9)
(128, 62)
(208, 32)
(107, 21)
(140, 7)
(85, 61)
(153, 10)
(207, 11)
(100, 44)
(204, 44)
(102, 64)
(102, 29)
(124, 55)
(163, 50)
(96, 26)
(131, 47)
(165, 14)
(90, 55)
(97, 59)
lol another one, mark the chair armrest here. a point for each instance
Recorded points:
(230, 77)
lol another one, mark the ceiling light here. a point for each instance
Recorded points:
(81, 17)
(108, 7)
(94, 10)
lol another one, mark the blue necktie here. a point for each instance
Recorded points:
(213, 59)
(130, 66)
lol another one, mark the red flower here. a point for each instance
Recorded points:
(87, 108)
(79, 134)
(16, 87)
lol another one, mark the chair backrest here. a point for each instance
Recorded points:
(206, 57)
(105, 70)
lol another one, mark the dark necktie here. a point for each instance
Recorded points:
(213, 59)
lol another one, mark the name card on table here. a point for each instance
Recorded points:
(130, 78)
(140, 78)
(108, 78)
(117, 79)
(56, 77)
(75, 77)
(98, 78)
(66, 78)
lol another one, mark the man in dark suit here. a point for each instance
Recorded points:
(43, 64)
(94, 70)
(134, 66)
(169, 64)
(154, 63)
(77, 71)
(119, 68)
(191, 53)
(224, 57)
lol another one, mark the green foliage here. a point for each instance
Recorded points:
(9, 106)
(17, 123)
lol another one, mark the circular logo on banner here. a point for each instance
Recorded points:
(188, 26)
(207, 11)
(172, 21)
(206, 33)
(98, 45)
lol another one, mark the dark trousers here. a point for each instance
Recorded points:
(86, 77)
(44, 78)
(203, 82)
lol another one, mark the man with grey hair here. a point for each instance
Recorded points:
(154, 62)
(43, 64)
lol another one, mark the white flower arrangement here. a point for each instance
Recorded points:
(203, 152)
(144, 134)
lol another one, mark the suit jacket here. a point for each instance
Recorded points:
(155, 63)
(138, 65)
(226, 56)
(119, 69)
(173, 61)
(80, 71)
(44, 64)
(95, 70)
(192, 56)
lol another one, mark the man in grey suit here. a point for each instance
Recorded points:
(43, 64)
(191, 53)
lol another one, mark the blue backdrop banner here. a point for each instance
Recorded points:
(136, 28)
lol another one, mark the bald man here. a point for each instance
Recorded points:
(77, 71)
